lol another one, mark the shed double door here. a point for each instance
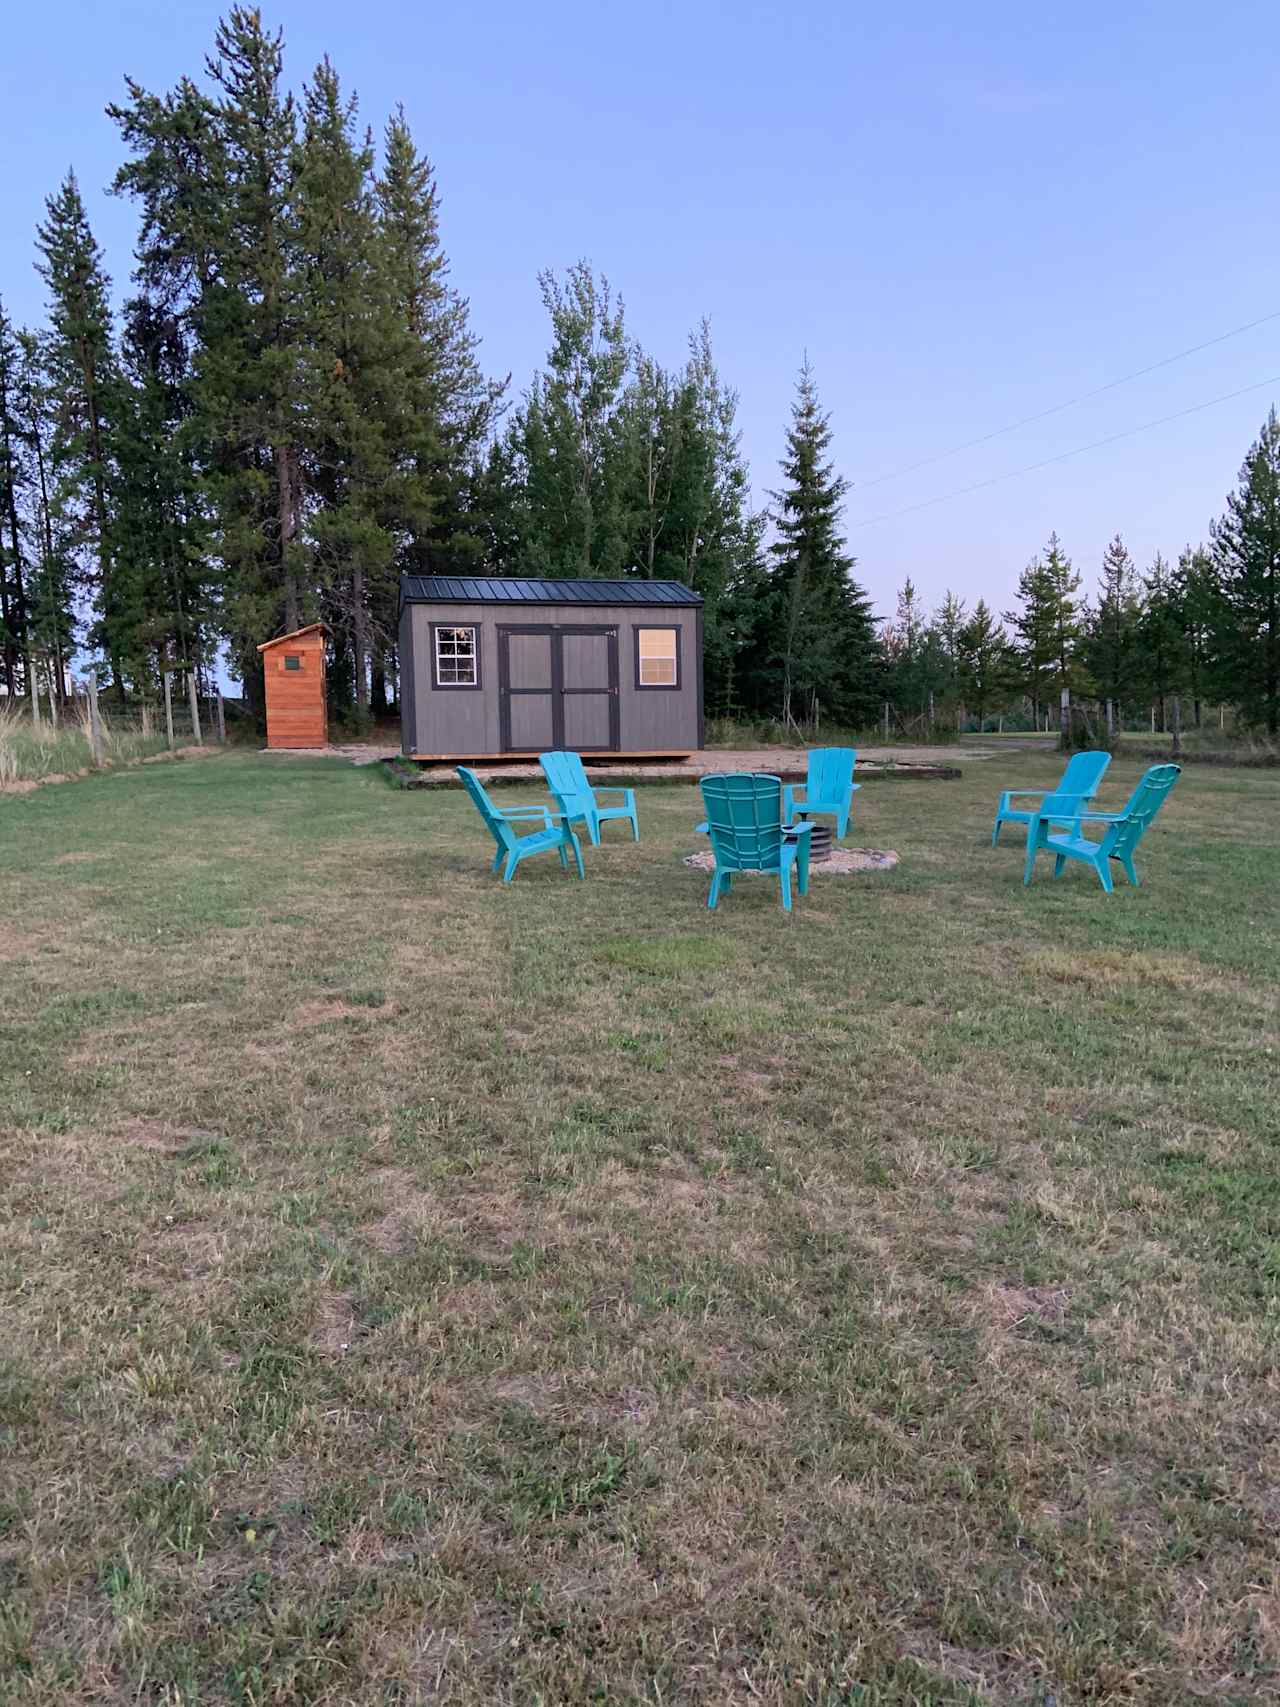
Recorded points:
(558, 689)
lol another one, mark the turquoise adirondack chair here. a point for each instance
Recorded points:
(556, 831)
(1080, 782)
(744, 821)
(829, 789)
(1123, 833)
(567, 780)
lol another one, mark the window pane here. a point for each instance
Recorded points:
(456, 661)
(292, 661)
(657, 652)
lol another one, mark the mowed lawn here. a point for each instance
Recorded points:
(416, 1290)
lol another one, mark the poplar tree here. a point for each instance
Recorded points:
(566, 432)
(85, 384)
(1246, 550)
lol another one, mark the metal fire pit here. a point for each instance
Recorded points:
(821, 840)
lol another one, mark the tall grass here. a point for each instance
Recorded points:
(30, 751)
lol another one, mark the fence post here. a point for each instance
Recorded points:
(222, 721)
(168, 706)
(1176, 720)
(34, 685)
(195, 707)
(146, 721)
(886, 720)
(1064, 719)
(95, 722)
(53, 702)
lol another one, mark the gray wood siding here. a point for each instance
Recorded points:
(467, 721)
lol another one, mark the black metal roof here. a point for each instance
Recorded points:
(498, 590)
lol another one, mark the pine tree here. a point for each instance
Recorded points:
(1246, 549)
(84, 380)
(947, 625)
(826, 638)
(1111, 645)
(1162, 657)
(13, 603)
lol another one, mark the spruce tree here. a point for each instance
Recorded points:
(828, 650)
(1111, 645)
(1048, 627)
(1199, 600)
(452, 405)
(85, 382)
(984, 662)
(1246, 549)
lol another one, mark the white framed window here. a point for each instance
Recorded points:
(456, 650)
(657, 657)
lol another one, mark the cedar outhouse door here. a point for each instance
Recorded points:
(558, 687)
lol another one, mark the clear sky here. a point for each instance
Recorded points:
(964, 214)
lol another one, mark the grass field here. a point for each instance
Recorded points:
(419, 1291)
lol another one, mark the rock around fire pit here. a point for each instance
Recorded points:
(841, 862)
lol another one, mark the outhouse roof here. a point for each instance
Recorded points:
(500, 590)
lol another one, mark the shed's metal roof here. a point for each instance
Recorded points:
(497, 590)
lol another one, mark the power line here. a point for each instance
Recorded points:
(1063, 456)
(1084, 397)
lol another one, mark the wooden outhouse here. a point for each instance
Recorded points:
(491, 667)
(293, 676)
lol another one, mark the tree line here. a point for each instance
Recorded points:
(288, 410)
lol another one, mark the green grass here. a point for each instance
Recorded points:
(419, 1290)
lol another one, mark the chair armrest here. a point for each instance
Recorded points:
(512, 813)
(702, 829)
(1100, 817)
(797, 829)
(613, 790)
(854, 787)
(1025, 793)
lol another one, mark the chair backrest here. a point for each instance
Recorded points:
(830, 772)
(744, 819)
(1080, 781)
(502, 832)
(565, 774)
(1145, 801)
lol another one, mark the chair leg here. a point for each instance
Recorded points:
(802, 865)
(635, 825)
(593, 829)
(1033, 848)
(577, 854)
(842, 829)
(1059, 861)
(1130, 873)
(497, 860)
(1104, 876)
(563, 854)
(509, 869)
(995, 834)
(714, 894)
(784, 879)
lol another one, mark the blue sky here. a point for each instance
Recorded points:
(964, 214)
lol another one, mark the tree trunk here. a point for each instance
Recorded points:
(360, 638)
(378, 687)
(286, 516)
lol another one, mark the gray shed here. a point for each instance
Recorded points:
(490, 667)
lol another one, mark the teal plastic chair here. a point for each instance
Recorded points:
(556, 831)
(744, 821)
(567, 780)
(828, 790)
(1123, 833)
(1080, 782)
